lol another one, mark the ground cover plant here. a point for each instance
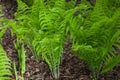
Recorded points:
(98, 37)
(43, 25)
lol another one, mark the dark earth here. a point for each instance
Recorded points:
(71, 68)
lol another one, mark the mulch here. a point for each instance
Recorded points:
(71, 67)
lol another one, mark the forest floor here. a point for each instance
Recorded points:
(71, 68)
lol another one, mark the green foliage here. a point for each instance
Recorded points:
(15, 71)
(43, 28)
(5, 63)
(94, 31)
(28, 2)
(52, 53)
(5, 66)
(2, 29)
(21, 55)
(40, 27)
(95, 37)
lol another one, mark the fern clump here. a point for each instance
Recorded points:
(40, 27)
(95, 38)
(51, 49)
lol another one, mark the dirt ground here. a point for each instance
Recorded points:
(71, 68)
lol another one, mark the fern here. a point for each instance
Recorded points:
(15, 71)
(43, 27)
(94, 31)
(50, 42)
(40, 24)
(51, 49)
(5, 66)
(21, 55)
(95, 38)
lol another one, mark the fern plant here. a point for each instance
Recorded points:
(51, 49)
(21, 55)
(95, 36)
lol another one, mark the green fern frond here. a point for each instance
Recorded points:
(110, 63)
(5, 66)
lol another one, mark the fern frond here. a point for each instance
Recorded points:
(5, 66)
(52, 54)
(110, 63)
